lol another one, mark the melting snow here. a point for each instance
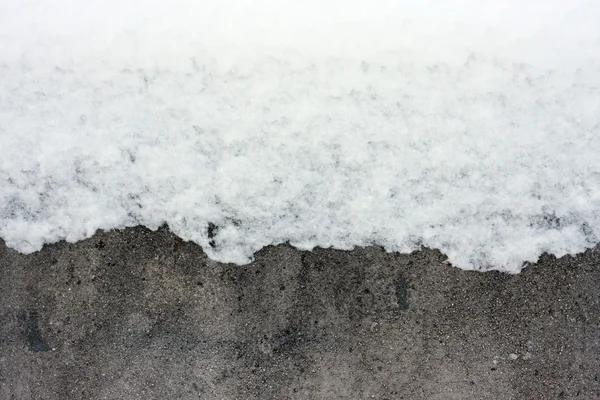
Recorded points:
(472, 127)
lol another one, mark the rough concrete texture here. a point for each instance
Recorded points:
(136, 314)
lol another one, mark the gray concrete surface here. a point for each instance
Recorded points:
(136, 314)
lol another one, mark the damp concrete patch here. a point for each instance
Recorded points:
(137, 314)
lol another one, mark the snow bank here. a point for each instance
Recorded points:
(468, 126)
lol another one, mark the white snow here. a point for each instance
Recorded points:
(468, 126)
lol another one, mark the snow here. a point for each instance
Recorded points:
(467, 126)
